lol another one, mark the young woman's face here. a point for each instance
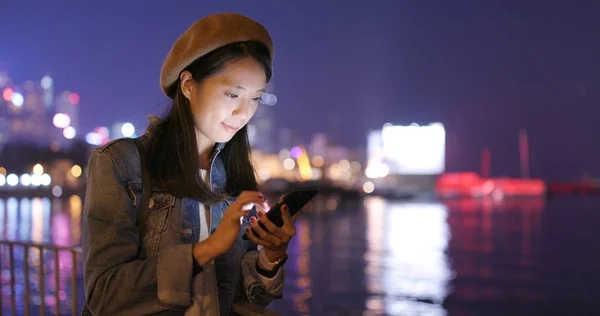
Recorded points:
(225, 102)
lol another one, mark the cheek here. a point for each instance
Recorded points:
(252, 111)
(221, 111)
(204, 109)
(202, 115)
(198, 108)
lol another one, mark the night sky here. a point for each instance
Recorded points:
(483, 68)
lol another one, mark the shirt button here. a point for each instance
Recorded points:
(151, 203)
(187, 233)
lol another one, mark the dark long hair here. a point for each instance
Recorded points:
(173, 159)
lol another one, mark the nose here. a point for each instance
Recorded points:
(242, 109)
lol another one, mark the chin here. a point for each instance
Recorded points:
(222, 138)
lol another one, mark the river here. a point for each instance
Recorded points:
(379, 257)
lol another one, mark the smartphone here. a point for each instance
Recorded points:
(295, 199)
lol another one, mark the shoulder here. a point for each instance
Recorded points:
(125, 148)
(120, 147)
(122, 154)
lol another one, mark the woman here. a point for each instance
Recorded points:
(181, 252)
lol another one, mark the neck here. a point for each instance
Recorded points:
(205, 147)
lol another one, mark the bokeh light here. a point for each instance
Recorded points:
(17, 99)
(74, 98)
(12, 179)
(76, 171)
(7, 94)
(368, 187)
(289, 163)
(61, 120)
(128, 129)
(25, 179)
(296, 152)
(46, 82)
(69, 132)
(38, 169)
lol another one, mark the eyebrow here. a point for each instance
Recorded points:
(242, 88)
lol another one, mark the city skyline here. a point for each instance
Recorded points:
(484, 70)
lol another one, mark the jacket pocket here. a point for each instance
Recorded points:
(156, 219)
(159, 209)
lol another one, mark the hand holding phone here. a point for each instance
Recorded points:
(294, 200)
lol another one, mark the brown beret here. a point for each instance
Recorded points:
(206, 35)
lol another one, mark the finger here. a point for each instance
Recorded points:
(295, 217)
(250, 198)
(248, 202)
(285, 215)
(271, 227)
(249, 206)
(244, 204)
(264, 206)
(266, 221)
(245, 194)
(263, 234)
(288, 223)
(257, 240)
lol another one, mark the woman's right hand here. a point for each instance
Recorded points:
(229, 228)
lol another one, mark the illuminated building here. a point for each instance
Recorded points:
(407, 157)
(5, 97)
(4, 79)
(284, 139)
(47, 84)
(24, 114)
(407, 150)
(67, 103)
(318, 145)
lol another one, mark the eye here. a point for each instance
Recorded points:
(231, 95)
(257, 98)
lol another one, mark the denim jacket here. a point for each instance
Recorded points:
(126, 273)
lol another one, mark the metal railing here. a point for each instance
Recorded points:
(242, 308)
(26, 246)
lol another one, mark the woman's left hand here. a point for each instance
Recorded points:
(275, 239)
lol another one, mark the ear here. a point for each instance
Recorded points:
(187, 84)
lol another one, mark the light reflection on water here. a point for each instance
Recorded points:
(379, 257)
(416, 272)
(384, 258)
(39, 220)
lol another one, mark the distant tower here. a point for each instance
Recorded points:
(318, 145)
(26, 115)
(36, 118)
(47, 84)
(5, 97)
(524, 153)
(67, 103)
(4, 79)
(284, 139)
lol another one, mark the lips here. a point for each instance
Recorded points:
(230, 128)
